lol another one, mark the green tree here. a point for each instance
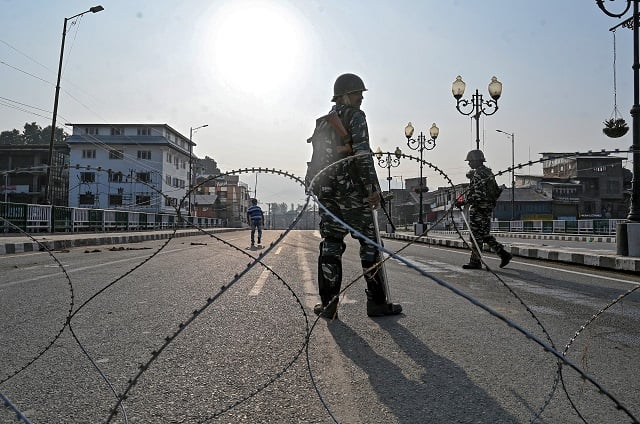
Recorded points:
(32, 133)
(59, 137)
(11, 137)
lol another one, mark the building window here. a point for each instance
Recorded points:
(144, 131)
(89, 154)
(145, 177)
(87, 199)
(91, 131)
(87, 177)
(117, 131)
(116, 154)
(143, 199)
(167, 179)
(115, 199)
(144, 154)
(613, 187)
(176, 162)
(170, 201)
(115, 177)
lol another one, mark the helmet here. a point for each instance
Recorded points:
(475, 155)
(346, 84)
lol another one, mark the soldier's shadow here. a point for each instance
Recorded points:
(442, 394)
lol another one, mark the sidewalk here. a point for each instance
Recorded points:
(606, 259)
(37, 242)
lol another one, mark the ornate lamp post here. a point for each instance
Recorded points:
(634, 211)
(421, 143)
(513, 175)
(191, 131)
(47, 189)
(388, 161)
(476, 105)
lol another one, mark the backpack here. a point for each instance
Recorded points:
(330, 142)
(493, 191)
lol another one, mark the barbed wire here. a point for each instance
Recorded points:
(121, 397)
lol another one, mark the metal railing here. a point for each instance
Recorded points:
(48, 218)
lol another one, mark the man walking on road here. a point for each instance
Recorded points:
(482, 196)
(255, 217)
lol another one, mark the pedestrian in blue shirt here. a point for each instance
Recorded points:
(255, 217)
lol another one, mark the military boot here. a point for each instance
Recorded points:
(327, 311)
(505, 257)
(381, 309)
(472, 265)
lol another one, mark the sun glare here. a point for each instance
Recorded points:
(257, 46)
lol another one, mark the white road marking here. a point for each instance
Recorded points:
(257, 287)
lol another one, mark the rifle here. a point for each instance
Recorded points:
(336, 123)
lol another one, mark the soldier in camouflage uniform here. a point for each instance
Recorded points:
(480, 212)
(350, 193)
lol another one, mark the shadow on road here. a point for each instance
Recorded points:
(442, 394)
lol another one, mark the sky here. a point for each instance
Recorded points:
(259, 72)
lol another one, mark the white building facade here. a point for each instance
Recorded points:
(141, 167)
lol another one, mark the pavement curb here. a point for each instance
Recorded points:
(83, 240)
(565, 255)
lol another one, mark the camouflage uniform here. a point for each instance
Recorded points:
(345, 194)
(480, 215)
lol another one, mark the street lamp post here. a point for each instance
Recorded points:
(476, 105)
(388, 161)
(421, 143)
(47, 189)
(622, 230)
(191, 131)
(513, 175)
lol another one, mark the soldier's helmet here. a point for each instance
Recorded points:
(347, 84)
(475, 155)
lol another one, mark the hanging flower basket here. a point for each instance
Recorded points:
(615, 128)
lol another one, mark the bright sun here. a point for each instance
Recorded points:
(257, 46)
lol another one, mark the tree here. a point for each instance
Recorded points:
(32, 134)
(11, 137)
(60, 135)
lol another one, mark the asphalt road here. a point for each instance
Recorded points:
(191, 334)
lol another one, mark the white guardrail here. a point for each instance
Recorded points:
(47, 218)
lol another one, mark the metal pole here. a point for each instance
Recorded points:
(47, 190)
(189, 186)
(421, 150)
(477, 104)
(513, 179)
(389, 181)
(634, 211)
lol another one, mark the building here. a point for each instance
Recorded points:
(596, 180)
(232, 198)
(144, 167)
(23, 173)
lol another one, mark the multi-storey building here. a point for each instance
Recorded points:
(129, 166)
(23, 173)
(601, 178)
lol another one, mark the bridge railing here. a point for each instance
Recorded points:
(48, 218)
(579, 226)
